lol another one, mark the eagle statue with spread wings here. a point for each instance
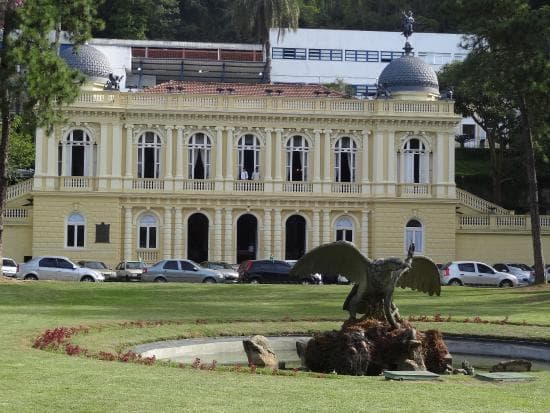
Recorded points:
(375, 280)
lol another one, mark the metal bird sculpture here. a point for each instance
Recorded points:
(375, 280)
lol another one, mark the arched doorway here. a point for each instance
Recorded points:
(197, 238)
(247, 237)
(295, 245)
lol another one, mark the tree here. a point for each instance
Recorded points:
(512, 37)
(20, 149)
(475, 97)
(260, 16)
(34, 80)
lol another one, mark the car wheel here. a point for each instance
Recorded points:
(160, 280)
(87, 279)
(455, 282)
(30, 277)
(254, 281)
(506, 284)
(305, 281)
(209, 281)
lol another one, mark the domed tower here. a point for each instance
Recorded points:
(91, 62)
(409, 77)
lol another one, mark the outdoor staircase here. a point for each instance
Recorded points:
(479, 204)
(18, 190)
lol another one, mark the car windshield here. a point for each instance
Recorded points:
(8, 263)
(521, 267)
(134, 265)
(95, 265)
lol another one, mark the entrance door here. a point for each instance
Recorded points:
(295, 245)
(197, 238)
(247, 237)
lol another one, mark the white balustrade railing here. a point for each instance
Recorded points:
(148, 184)
(501, 222)
(545, 222)
(15, 216)
(148, 256)
(415, 190)
(297, 187)
(77, 182)
(19, 189)
(479, 204)
(345, 188)
(198, 185)
(255, 186)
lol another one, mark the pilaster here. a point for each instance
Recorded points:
(167, 243)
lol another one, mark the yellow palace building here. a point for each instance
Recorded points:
(228, 171)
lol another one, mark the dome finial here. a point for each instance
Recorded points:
(408, 49)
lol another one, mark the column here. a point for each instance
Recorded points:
(64, 160)
(317, 156)
(39, 151)
(378, 161)
(103, 146)
(229, 155)
(277, 236)
(315, 241)
(392, 164)
(228, 244)
(451, 168)
(116, 156)
(51, 172)
(167, 244)
(326, 226)
(217, 241)
(277, 153)
(127, 233)
(268, 154)
(219, 153)
(365, 232)
(129, 151)
(169, 152)
(326, 156)
(439, 170)
(365, 158)
(179, 154)
(178, 233)
(268, 248)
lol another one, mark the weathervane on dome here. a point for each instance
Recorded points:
(408, 21)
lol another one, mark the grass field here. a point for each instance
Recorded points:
(34, 380)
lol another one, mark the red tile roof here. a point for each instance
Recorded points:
(245, 89)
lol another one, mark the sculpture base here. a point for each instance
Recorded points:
(367, 347)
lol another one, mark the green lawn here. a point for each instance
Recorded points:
(36, 380)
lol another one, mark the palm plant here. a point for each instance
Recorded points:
(259, 16)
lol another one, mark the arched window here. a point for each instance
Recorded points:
(76, 226)
(147, 230)
(78, 154)
(199, 156)
(297, 149)
(416, 163)
(414, 233)
(344, 229)
(149, 145)
(344, 167)
(249, 157)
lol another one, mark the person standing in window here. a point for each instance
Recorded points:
(244, 175)
(256, 175)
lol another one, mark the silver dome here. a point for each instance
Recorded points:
(88, 60)
(409, 74)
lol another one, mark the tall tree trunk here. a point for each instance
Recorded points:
(267, 74)
(533, 194)
(496, 170)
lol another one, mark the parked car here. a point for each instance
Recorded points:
(523, 272)
(229, 273)
(179, 270)
(56, 268)
(546, 271)
(272, 272)
(9, 267)
(129, 270)
(476, 273)
(100, 266)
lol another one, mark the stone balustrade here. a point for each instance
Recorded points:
(492, 222)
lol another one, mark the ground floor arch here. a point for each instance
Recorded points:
(247, 237)
(295, 243)
(197, 237)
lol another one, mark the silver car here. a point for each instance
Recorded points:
(56, 268)
(100, 266)
(9, 267)
(229, 273)
(180, 270)
(523, 272)
(476, 273)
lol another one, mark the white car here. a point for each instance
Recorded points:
(56, 268)
(9, 267)
(477, 273)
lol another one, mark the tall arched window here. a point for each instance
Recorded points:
(414, 233)
(199, 156)
(249, 157)
(78, 153)
(344, 229)
(147, 231)
(76, 226)
(149, 145)
(416, 162)
(297, 149)
(345, 154)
